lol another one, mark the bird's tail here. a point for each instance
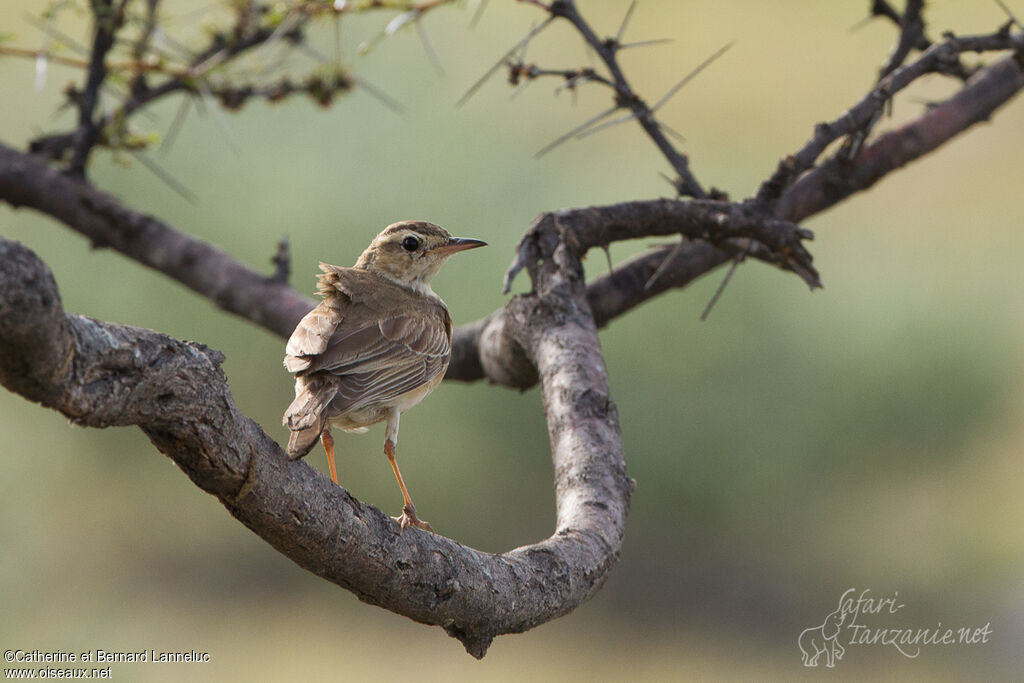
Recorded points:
(305, 416)
(302, 441)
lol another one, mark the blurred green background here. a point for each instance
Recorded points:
(794, 445)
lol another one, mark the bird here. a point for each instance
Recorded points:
(377, 344)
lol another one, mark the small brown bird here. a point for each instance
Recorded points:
(377, 344)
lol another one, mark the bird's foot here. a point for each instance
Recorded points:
(409, 518)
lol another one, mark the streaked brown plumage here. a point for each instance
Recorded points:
(375, 346)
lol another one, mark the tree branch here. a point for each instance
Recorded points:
(881, 8)
(717, 222)
(911, 35)
(625, 97)
(106, 20)
(835, 180)
(256, 25)
(861, 117)
(101, 374)
(27, 180)
(633, 282)
(481, 350)
(484, 349)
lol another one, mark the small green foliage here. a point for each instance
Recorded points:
(276, 14)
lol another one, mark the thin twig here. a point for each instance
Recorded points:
(736, 261)
(429, 48)
(690, 76)
(164, 175)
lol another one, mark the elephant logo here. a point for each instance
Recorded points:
(823, 639)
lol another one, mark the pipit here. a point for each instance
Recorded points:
(375, 346)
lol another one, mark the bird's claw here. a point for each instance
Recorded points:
(409, 518)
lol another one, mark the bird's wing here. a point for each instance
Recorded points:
(370, 353)
(312, 334)
(385, 358)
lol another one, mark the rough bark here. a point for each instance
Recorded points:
(101, 374)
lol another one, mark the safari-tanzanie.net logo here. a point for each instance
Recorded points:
(862, 620)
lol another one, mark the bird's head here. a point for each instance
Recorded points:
(412, 252)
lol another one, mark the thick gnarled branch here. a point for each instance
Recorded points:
(720, 223)
(101, 374)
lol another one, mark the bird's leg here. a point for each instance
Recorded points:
(408, 515)
(328, 442)
(408, 510)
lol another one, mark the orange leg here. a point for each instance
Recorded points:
(328, 442)
(408, 510)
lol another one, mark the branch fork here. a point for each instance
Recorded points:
(102, 374)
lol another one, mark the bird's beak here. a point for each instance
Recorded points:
(455, 244)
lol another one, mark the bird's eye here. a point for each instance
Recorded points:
(410, 243)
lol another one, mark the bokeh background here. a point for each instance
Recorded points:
(793, 446)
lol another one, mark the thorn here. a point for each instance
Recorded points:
(429, 47)
(575, 131)
(210, 62)
(312, 53)
(645, 43)
(176, 124)
(671, 131)
(625, 20)
(686, 79)
(200, 105)
(401, 21)
(673, 182)
(860, 24)
(725, 281)
(124, 97)
(481, 6)
(490, 72)
(520, 88)
(288, 23)
(52, 33)
(1006, 9)
(229, 135)
(166, 177)
(381, 96)
(522, 52)
(160, 37)
(337, 41)
(608, 124)
(663, 265)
